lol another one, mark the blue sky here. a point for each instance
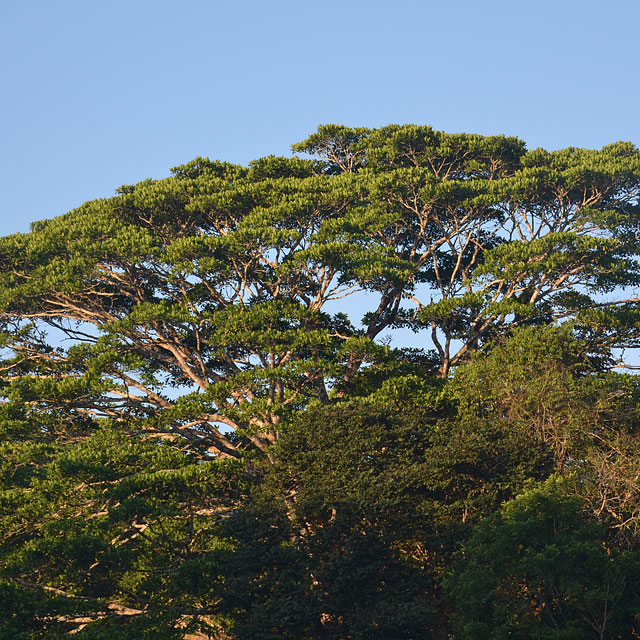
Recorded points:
(95, 95)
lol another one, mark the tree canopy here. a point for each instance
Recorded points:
(210, 430)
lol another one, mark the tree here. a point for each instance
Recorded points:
(157, 346)
(109, 534)
(545, 389)
(215, 282)
(540, 568)
(352, 555)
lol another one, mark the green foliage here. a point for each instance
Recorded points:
(334, 546)
(201, 438)
(540, 568)
(112, 524)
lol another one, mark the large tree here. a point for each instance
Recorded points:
(162, 351)
(205, 300)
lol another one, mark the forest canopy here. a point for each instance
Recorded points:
(380, 389)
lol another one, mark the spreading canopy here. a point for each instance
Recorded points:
(208, 307)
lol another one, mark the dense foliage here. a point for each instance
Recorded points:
(211, 429)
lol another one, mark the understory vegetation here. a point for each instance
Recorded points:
(379, 390)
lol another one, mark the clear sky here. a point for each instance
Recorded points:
(99, 94)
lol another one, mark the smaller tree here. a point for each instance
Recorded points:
(550, 390)
(540, 568)
(334, 543)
